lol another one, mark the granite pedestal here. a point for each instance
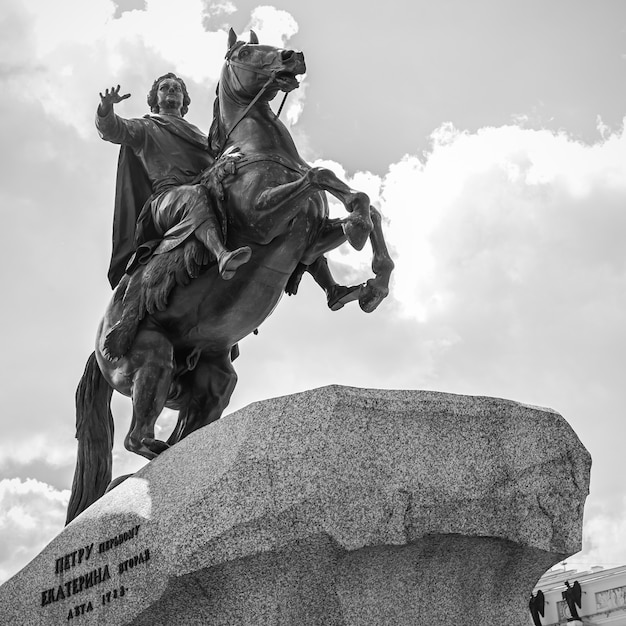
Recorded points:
(336, 506)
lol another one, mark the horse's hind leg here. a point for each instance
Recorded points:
(207, 389)
(151, 361)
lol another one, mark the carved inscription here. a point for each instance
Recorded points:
(79, 610)
(76, 585)
(96, 575)
(138, 559)
(63, 563)
(113, 595)
(119, 539)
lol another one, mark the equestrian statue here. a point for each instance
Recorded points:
(208, 233)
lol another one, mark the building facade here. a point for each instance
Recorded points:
(602, 598)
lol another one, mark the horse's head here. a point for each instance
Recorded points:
(252, 75)
(252, 68)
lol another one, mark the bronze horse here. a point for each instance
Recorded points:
(181, 357)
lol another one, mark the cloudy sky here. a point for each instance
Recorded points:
(490, 134)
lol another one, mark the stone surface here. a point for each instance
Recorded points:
(332, 506)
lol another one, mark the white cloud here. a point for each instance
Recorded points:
(604, 537)
(64, 63)
(31, 514)
(502, 210)
(178, 37)
(37, 447)
(294, 104)
(273, 26)
(217, 8)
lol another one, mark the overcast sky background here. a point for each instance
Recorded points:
(490, 134)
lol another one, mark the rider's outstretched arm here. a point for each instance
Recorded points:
(112, 127)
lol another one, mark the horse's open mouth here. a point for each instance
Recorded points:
(287, 81)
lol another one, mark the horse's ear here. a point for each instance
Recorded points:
(232, 38)
(253, 37)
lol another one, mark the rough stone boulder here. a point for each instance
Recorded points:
(333, 506)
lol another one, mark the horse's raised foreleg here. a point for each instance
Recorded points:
(207, 390)
(377, 288)
(277, 206)
(358, 225)
(283, 203)
(150, 364)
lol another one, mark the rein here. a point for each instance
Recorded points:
(271, 74)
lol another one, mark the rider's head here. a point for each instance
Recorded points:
(153, 95)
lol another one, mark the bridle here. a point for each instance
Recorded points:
(271, 76)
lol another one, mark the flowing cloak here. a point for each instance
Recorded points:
(132, 192)
(136, 187)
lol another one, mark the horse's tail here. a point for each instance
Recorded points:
(94, 431)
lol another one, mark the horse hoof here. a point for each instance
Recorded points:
(357, 229)
(371, 296)
(154, 445)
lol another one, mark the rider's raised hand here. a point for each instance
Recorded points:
(110, 98)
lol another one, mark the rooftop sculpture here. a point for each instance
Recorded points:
(572, 596)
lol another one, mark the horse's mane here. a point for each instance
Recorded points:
(216, 132)
(217, 136)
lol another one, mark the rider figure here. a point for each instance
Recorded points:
(161, 156)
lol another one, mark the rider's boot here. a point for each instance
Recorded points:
(228, 261)
(336, 295)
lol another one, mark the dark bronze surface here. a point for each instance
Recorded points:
(170, 332)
